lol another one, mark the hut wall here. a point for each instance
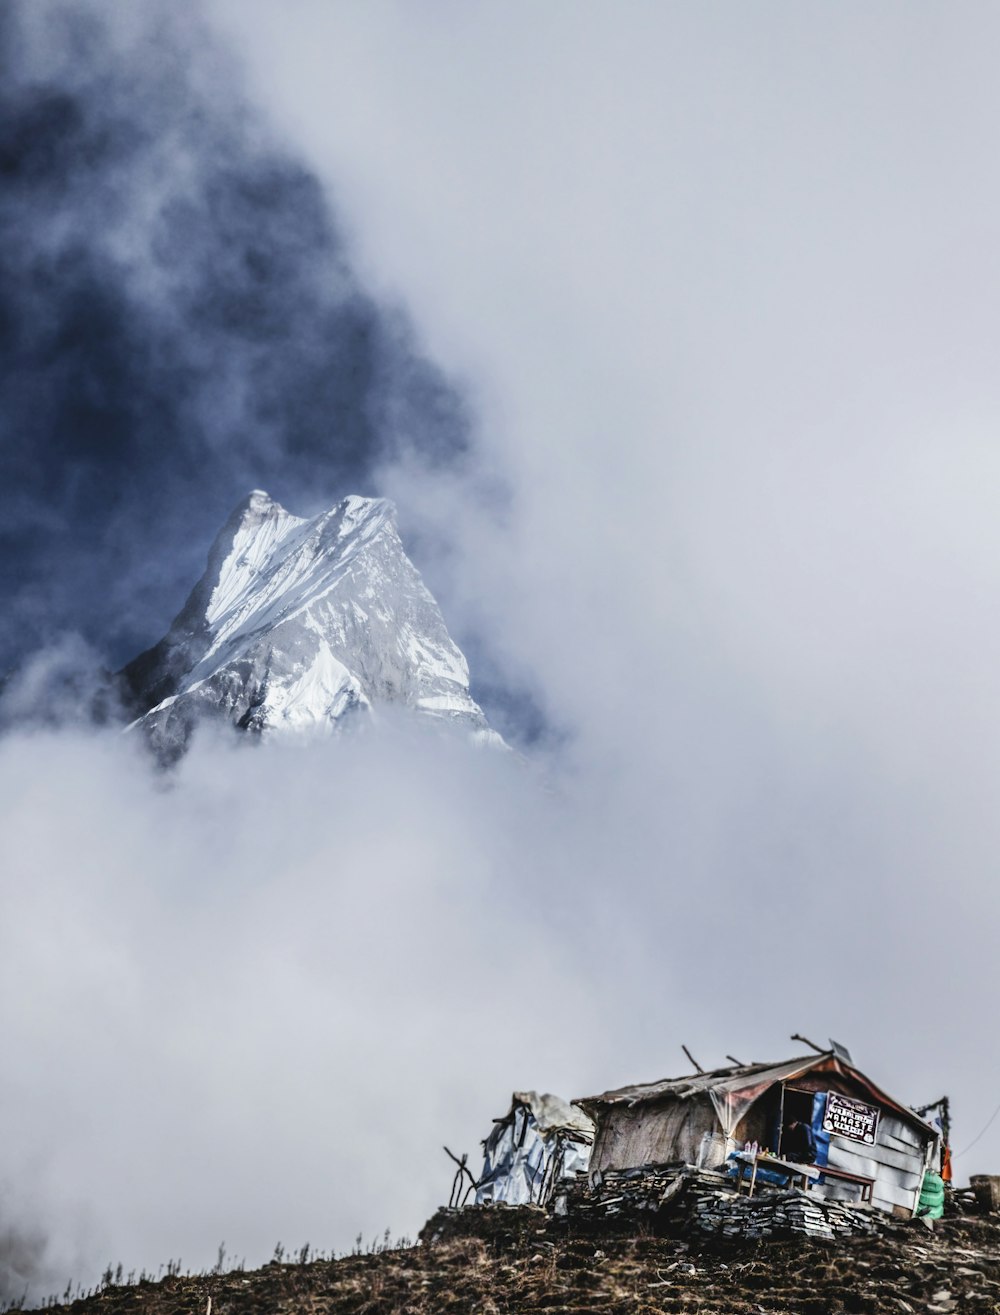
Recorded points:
(896, 1162)
(759, 1123)
(667, 1132)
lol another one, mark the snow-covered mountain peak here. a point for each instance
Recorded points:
(257, 507)
(298, 622)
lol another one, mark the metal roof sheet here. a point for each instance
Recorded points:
(747, 1079)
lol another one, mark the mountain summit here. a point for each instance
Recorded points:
(303, 625)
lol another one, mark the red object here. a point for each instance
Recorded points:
(946, 1164)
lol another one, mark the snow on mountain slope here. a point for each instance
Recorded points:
(300, 626)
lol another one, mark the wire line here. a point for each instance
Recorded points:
(985, 1129)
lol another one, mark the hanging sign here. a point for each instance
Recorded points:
(850, 1118)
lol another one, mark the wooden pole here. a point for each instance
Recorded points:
(692, 1059)
(797, 1036)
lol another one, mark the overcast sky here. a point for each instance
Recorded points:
(672, 330)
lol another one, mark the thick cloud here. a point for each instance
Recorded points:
(725, 285)
(252, 1004)
(726, 281)
(179, 322)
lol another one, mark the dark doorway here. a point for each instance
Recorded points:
(798, 1142)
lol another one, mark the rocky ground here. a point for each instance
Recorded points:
(500, 1261)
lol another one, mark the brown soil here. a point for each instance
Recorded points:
(516, 1261)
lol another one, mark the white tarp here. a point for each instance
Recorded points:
(541, 1141)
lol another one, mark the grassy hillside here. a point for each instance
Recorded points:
(515, 1262)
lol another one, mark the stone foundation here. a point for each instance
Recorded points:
(707, 1204)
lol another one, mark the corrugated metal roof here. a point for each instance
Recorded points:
(733, 1078)
(750, 1079)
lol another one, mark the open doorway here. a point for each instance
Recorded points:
(797, 1139)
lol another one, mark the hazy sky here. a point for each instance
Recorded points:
(702, 302)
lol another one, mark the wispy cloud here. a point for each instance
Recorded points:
(252, 1002)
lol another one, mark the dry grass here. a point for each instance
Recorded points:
(518, 1263)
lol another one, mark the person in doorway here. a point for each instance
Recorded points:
(798, 1142)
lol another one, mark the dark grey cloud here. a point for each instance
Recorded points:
(22, 1260)
(179, 322)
